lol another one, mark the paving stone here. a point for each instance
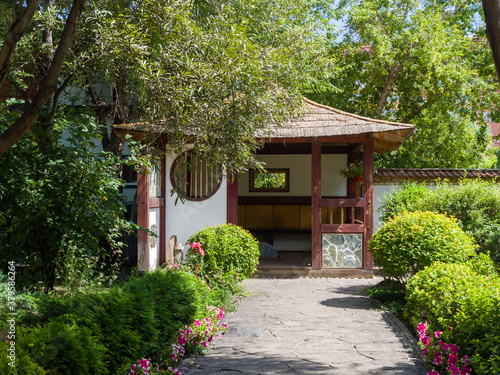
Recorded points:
(309, 326)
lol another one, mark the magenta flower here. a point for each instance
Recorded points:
(454, 370)
(433, 372)
(437, 359)
(452, 359)
(438, 334)
(454, 349)
(197, 323)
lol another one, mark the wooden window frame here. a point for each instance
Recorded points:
(285, 189)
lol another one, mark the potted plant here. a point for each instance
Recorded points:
(354, 170)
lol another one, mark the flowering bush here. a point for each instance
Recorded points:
(444, 356)
(197, 339)
(144, 367)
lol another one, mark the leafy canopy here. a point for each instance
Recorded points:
(422, 62)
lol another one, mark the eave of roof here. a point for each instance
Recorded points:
(318, 121)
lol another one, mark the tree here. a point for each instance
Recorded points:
(418, 62)
(48, 86)
(209, 73)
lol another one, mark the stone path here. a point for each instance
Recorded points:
(310, 326)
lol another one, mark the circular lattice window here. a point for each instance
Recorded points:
(193, 178)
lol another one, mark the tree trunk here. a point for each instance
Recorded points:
(16, 31)
(491, 9)
(49, 85)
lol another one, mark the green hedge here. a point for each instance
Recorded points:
(475, 203)
(413, 240)
(453, 295)
(99, 332)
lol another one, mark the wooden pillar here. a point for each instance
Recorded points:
(317, 252)
(368, 195)
(143, 219)
(232, 199)
(163, 243)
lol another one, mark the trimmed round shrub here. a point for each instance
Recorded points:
(226, 249)
(462, 304)
(411, 241)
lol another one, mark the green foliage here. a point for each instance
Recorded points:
(178, 298)
(61, 213)
(352, 170)
(114, 327)
(475, 203)
(229, 250)
(390, 293)
(404, 199)
(420, 63)
(176, 62)
(414, 240)
(453, 295)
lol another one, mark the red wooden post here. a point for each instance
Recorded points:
(316, 249)
(143, 219)
(368, 195)
(163, 245)
(232, 199)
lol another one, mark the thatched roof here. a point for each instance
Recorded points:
(323, 121)
(317, 121)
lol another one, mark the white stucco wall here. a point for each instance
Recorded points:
(184, 219)
(332, 184)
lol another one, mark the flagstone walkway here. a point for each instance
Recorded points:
(310, 326)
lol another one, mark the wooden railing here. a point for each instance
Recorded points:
(349, 222)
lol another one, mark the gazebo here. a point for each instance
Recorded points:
(337, 218)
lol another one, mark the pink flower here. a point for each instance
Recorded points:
(465, 371)
(421, 327)
(224, 325)
(202, 253)
(433, 372)
(452, 359)
(454, 370)
(425, 351)
(204, 343)
(425, 340)
(197, 323)
(182, 340)
(438, 334)
(466, 360)
(437, 359)
(454, 349)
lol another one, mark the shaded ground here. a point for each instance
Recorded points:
(310, 326)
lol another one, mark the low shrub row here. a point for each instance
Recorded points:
(102, 332)
(158, 316)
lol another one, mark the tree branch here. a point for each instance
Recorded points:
(393, 73)
(49, 85)
(16, 31)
